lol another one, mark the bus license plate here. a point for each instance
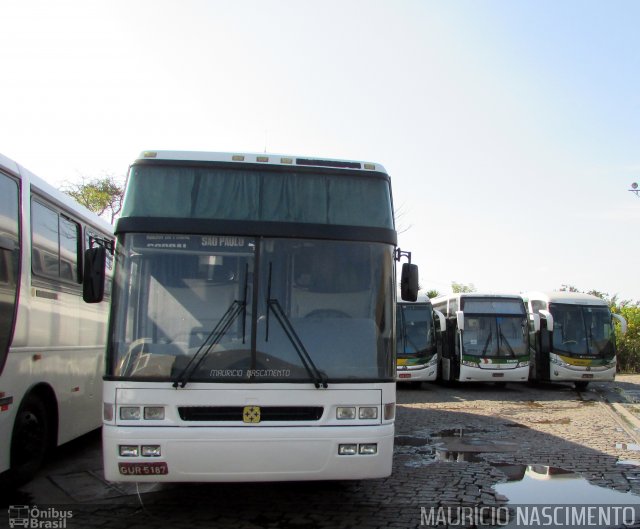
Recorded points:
(587, 375)
(497, 375)
(143, 469)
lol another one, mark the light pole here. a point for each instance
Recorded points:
(634, 189)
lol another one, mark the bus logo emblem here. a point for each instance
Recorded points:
(251, 414)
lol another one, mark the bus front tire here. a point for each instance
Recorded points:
(30, 440)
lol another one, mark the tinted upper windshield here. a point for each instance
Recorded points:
(252, 310)
(582, 330)
(414, 330)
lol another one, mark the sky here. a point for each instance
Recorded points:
(510, 129)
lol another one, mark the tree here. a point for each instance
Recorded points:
(103, 196)
(457, 288)
(432, 294)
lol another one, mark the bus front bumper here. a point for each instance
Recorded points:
(206, 454)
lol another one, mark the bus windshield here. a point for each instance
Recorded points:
(414, 331)
(237, 309)
(582, 330)
(494, 327)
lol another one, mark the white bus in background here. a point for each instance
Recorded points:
(418, 350)
(51, 342)
(252, 331)
(576, 338)
(487, 338)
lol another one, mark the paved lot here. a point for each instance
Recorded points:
(458, 445)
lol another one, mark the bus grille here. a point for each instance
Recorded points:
(234, 413)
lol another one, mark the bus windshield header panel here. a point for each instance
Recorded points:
(258, 193)
(211, 308)
(492, 306)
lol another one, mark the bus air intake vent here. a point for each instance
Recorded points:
(234, 413)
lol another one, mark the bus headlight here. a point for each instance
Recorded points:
(154, 413)
(150, 450)
(128, 450)
(130, 413)
(368, 412)
(523, 363)
(368, 449)
(344, 412)
(469, 363)
(350, 449)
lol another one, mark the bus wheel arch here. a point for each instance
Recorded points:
(35, 433)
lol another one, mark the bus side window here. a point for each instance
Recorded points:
(55, 244)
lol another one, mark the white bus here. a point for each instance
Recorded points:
(576, 338)
(418, 350)
(487, 338)
(51, 342)
(252, 320)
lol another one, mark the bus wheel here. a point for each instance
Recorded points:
(581, 385)
(30, 440)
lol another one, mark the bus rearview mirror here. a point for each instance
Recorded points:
(409, 282)
(95, 261)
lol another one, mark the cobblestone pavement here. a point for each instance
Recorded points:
(457, 445)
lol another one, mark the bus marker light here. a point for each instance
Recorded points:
(389, 411)
(237, 158)
(107, 411)
(128, 413)
(368, 449)
(348, 449)
(368, 412)
(129, 450)
(343, 412)
(154, 413)
(370, 166)
(150, 450)
(262, 159)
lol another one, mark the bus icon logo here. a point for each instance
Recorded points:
(251, 414)
(18, 516)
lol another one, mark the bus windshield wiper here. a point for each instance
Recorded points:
(318, 377)
(486, 345)
(214, 337)
(505, 342)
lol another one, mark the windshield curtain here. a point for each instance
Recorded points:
(414, 331)
(503, 336)
(257, 195)
(582, 330)
(309, 309)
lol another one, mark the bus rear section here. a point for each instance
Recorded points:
(252, 332)
(575, 339)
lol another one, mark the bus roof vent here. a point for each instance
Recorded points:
(328, 163)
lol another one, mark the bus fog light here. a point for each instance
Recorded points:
(368, 412)
(128, 450)
(128, 413)
(154, 413)
(348, 449)
(343, 412)
(368, 449)
(107, 411)
(389, 411)
(150, 450)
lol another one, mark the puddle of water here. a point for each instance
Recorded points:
(541, 484)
